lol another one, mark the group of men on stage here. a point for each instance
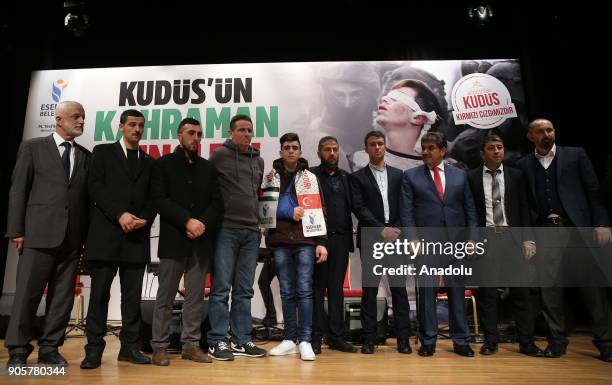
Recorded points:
(210, 220)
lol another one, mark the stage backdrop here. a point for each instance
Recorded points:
(312, 99)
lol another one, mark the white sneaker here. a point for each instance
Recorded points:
(284, 348)
(306, 353)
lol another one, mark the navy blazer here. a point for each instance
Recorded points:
(421, 206)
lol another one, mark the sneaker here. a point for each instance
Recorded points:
(248, 349)
(306, 353)
(284, 348)
(221, 351)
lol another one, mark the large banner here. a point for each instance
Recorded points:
(342, 99)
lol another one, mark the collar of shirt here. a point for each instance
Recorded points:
(485, 169)
(125, 149)
(59, 140)
(551, 153)
(374, 168)
(440, 167)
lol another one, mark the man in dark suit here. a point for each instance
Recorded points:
(438, 195)
(500, 194)
(47, 223)
(186, 193)
(118, 237)
(329, 275)
(564, 186)
(375, 191)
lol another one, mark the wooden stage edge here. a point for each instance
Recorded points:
(386, 366)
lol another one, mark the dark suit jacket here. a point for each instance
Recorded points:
(44, 206)
(318, 170)
(577, 185)
(367, 199)
(421, 206)
(113, 190)
(180, 193)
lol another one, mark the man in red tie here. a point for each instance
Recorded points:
(438, 196)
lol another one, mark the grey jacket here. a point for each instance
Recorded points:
(44, 206)
(240, 175)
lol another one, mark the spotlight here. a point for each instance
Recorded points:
(481, 14)
(76, 20)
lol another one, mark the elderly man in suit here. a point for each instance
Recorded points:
(438, 195)
(47, 222)
(118, 237)
(500, 195)
(375, 191)
(564, 186)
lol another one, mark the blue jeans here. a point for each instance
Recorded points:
(295, 267)
(234, 269)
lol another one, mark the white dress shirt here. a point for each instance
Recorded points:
(546, 160)
(58, 142)
(442, 176)
(381, 181)
(487, 183)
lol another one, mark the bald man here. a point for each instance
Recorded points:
(47, 222)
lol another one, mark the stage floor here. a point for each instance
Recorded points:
(386, 366)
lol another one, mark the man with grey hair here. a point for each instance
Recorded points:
(47, 222)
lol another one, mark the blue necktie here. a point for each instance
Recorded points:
(66, 158)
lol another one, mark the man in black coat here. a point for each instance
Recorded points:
(500, 196)
(187, 196)
(564, 186)
(329, 275)
(118, 237)
(375, 192)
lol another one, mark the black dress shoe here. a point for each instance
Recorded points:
(554, 351)
(316, 347)
(463, 350)
(488, 349)
(427, 350)
(52, 358)
(341, 345)
(531, 350)
(367, 348)
(17, 359)
(403, 346)
(134, 356)
(91, 361)
(605, 355)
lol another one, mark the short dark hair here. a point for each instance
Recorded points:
(325, 139)
(187, 120)
(290, 137)
(426, 99)
(436, 137)
(126, 113)
(237, 118)
(490, 138)
(375, 134)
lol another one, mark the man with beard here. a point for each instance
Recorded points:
(47, 223)
(186, 193)
(564, 186)
(329, 275)
(118, 237)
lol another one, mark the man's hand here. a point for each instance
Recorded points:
(18, 243)
(321, 254)
(390, 234)
(194, 228)
(298, 213)
(139, 223)
(470, 254)
(602, 236)
(529, 250)
(128, 222)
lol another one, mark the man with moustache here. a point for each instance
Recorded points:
(329, 275)
(186, 193)
(500, 195)
(47, 223)
(118, 237)
(564, 186)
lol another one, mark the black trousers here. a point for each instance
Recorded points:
(102, 275)
(401, 310)
(56, 268)
(522, 309)
(329, 279)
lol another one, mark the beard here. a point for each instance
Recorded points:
(547, 144)
(329, 167)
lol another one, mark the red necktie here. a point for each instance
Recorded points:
(438, 182)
